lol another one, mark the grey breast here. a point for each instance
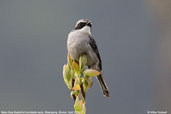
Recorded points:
(78, 44)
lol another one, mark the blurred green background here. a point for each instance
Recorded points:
(133, 37)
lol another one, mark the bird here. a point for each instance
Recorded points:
(80, 41)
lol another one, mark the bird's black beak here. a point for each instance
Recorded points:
(89, 23)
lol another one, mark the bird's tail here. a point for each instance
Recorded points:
(103, 86)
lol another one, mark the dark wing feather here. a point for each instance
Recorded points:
(93, 45)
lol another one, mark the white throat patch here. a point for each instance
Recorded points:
(86, 29)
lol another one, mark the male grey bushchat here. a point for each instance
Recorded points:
(80, 41)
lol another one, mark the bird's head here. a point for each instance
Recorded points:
(83, 25)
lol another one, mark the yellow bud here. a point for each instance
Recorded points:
(76, 87)
(75, 66)
(69, 59)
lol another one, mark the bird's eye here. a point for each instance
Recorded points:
(80, 25)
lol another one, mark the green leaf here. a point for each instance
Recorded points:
(87, 83)
(91, 72)
(72, 74)
(67, 76)
(82, 62)
(76, 93)
(83, 108)
(90, 82)
(79, 106)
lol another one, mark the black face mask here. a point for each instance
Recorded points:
(80, 25)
